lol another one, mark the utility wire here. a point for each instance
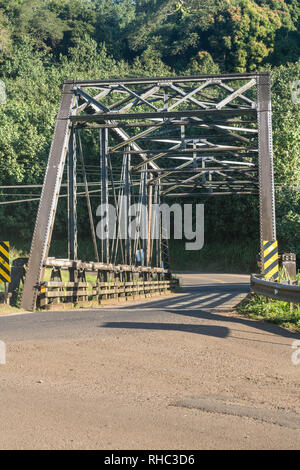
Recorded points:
(37, 199)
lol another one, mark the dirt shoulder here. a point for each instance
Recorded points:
(167, 375)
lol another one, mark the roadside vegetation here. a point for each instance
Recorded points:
(239, 257)
(282, 313)
(274, 311)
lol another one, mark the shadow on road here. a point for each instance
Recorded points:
(207, 330)
(196, 302)
(266, 328)
(197, 296)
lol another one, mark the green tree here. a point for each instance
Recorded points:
(286, 132)
(173, 28)
(5, 33)
(242, 36)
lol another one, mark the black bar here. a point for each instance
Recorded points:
(163, 115)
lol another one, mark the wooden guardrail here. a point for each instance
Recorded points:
(97, 266)
(54, 295)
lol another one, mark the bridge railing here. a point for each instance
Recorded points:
(112, 283)
(53, 295)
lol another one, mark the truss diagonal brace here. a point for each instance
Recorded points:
(119, 131)
(236, 94)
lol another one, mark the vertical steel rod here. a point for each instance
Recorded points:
(72, 199)
(88, 199)
(158, 227)
(144, 219)
(104, 189)
(127, 205)
(149, 224)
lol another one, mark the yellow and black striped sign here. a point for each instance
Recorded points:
(4, 262)
(271, 267)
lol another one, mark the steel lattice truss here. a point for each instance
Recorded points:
(192, 135)
(160, 138)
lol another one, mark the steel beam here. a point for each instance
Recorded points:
(143, 81)
(72, 199)
(48, 202)
(203, 113)
(266, 175)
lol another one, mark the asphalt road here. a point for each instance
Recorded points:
(180, 372)
(209, 291)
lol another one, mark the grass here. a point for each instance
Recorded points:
(274, 311)
(65, 276)
(235, 257)
(6, 309)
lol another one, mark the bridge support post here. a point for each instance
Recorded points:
(266, 177)
(48, 202)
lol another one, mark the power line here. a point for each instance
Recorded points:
(25, 186)
(38, 198)
(20, 200)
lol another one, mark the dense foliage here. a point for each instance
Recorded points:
(43, 42)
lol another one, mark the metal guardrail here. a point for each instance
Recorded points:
(275, 290)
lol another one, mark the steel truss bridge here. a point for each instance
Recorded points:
(158, 138)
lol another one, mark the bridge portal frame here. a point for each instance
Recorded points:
(219, 105)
